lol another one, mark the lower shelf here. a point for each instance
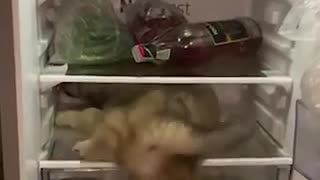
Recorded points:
(220, 173)
(258, 150)
(279, 162)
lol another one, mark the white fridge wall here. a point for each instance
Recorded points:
(297, 176)
(303, 55)
(205, 10)
(27, 78)
(270, 11)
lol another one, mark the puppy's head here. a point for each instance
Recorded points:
(158, 164)
(163, 150)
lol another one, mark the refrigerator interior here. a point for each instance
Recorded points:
(280, 68)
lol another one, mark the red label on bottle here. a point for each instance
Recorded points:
(141, 51)
(226, 32)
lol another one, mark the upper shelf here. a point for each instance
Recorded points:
(218, 73)
(56, 79)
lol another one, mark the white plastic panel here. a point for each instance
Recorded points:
(210, 10)
(240, 162)
(56, 79)
(224, 173)
(84, 174)
(297, 176)
(27, 72)
(197, 11)
(307, 145)
(271, 11)
(276, 50)
(273, 39)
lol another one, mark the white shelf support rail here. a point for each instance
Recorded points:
(56, 79)
(281, 161)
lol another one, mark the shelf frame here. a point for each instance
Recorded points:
(56, 79)
(229, 162)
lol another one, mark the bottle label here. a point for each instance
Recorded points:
(163, 54)
(149, 53)
(226, 32)
(141, 54)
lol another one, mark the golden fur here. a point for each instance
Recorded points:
(152, 137)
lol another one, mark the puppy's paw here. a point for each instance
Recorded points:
(82, 147)
(66, 118)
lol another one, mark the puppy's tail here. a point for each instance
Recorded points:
(172, 137)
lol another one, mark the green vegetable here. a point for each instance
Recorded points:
(91, 35)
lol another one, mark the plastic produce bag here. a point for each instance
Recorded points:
(88, 32)
(310, 88)
(148, 19)
(302, 21)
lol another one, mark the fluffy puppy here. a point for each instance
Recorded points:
(144, 141)
(153, 137)
(161, 132)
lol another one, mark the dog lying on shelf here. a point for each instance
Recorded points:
(162, 133)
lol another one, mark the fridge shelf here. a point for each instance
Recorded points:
(258, 150)
(226, 70)
(228, 162)
(204, 173)
(56, 79)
